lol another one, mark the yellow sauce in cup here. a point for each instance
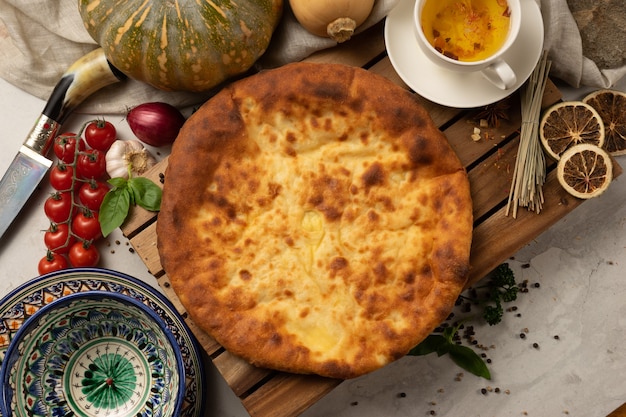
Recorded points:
(466, 30)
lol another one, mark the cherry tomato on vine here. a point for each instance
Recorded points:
(100, 135)
(52, 262)
(92, 193)
(84, 254)
(86, 226)
(65, 147)
(58, 238)
(58, 206)
(91, 164)
(61, 177)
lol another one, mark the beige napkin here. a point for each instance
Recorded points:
(564, 43)
(39, 39)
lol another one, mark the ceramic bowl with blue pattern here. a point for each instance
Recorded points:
(93, 353)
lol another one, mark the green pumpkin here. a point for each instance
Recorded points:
(182, 45)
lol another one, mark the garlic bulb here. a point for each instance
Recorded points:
(335, 19)
(128, 156)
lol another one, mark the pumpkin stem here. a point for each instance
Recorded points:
(341, 29)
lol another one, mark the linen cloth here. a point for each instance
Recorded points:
(564, 45)
(40, 39)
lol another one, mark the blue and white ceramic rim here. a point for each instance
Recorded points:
(12, 352)
(120, 282)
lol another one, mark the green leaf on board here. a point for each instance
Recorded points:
(125, 193)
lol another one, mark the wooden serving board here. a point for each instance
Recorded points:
(497, 237)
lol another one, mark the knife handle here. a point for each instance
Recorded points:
(83, 78)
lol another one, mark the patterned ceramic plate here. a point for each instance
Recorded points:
(90, 354)
(24, 301)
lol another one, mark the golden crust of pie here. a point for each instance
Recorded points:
(315, 220)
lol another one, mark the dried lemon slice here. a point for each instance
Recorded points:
(585, 170)
(611, 106)
(570, 123)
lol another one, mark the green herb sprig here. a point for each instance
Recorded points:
(138, 191)
(500, 288)
(463, 356)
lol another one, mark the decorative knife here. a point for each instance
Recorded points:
(83, 78)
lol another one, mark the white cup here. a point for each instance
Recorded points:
(494, 68)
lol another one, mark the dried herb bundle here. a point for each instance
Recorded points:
(529, 174)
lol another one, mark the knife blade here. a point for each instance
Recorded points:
(84, 77)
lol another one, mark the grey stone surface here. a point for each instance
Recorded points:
(602, 25)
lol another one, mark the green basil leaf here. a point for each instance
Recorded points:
(114, 209)
(118, 182)
(469, 360)
(449, 333)
(145, 193)
(433, 343)
(131, 194)
(444, 348)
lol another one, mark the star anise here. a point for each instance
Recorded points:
(493, 113)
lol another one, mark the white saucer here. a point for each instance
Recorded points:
(455, 89)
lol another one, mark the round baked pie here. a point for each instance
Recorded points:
(315, 220)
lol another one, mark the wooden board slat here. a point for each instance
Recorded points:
(239, 374)
(288, 395)
(490, 164)
(619, 412)
(500, 236)
(440, 114)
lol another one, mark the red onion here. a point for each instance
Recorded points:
(155, 124)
